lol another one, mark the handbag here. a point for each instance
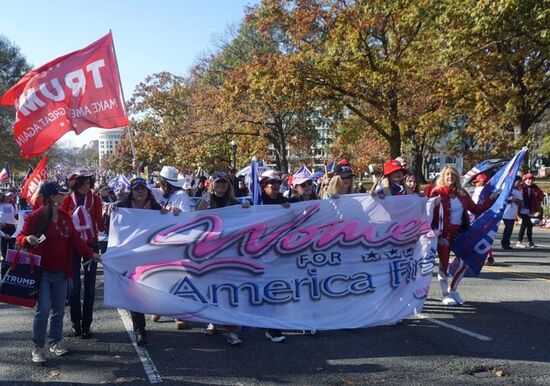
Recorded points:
(21, 275)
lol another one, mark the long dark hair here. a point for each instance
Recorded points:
(77, 182)
(126, 202)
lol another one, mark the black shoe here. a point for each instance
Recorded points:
(76, 332)
(86, 334)
(507, 247)
(140, 339)
(490, 261)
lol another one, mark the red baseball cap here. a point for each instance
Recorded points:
(393, 166)
(481, 177)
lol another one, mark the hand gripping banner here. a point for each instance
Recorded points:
(73, 92)
(350, 262)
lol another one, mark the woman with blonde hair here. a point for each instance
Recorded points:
(341, 182)
(451, 217)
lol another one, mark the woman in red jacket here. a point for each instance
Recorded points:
(450, 217)
(56, 251)
(85, 208)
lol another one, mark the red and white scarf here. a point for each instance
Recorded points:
(81, 217)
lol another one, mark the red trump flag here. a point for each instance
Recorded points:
(39, 174)
(73, 92)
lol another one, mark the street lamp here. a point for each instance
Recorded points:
(234, 149)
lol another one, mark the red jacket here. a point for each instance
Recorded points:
(535, 201)
(94, 206)
(61, 239)
(467, 204)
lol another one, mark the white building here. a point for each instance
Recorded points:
(108, 140)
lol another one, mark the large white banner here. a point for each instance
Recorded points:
(350, 262)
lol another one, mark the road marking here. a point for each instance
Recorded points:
(349, 362)
(458, 329)
(514, 273)
(143, 354)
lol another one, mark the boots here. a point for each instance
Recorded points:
(443, 282)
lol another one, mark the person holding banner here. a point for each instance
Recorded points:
(220, 194)
(451, 217)
(8, 221)
(173, 199)
(302, 188)
(49, 233)
(531, 210)
(341, 182)
(270, 182)
(393, 182)
(86, 209)
(140, 197)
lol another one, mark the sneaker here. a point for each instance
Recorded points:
(38, 355)
(155, 318)
(86, 334)
(532, 245)
(275, 336)
(449, 301)
(180, 325)
(491, 260)
(520, 244)
(457, 298)
(210, 329)
(233, 338)
(140, 339)
(58, 349)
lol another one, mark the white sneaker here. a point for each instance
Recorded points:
(38, 355)
(233, 338)
(210, 329)
(58, 349)
(449, 301)
(275, 336)
(520, 244)
(443, 283)
(456, 296)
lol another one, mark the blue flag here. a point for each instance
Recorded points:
(487, 167)
(472, 246)
(254, 184)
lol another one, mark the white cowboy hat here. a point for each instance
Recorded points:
(172, 176)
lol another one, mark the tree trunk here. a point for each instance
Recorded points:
(395, 133)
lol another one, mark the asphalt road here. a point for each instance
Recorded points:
(501, 336)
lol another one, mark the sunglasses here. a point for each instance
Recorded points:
(273, 182)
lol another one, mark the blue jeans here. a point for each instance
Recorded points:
(51, 296)
(82, 312)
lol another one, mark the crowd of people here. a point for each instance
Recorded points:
(73, 218)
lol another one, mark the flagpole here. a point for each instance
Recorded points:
(132, 146)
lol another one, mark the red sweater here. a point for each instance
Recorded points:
(61, 238)
(533, 196)
(95, 210)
